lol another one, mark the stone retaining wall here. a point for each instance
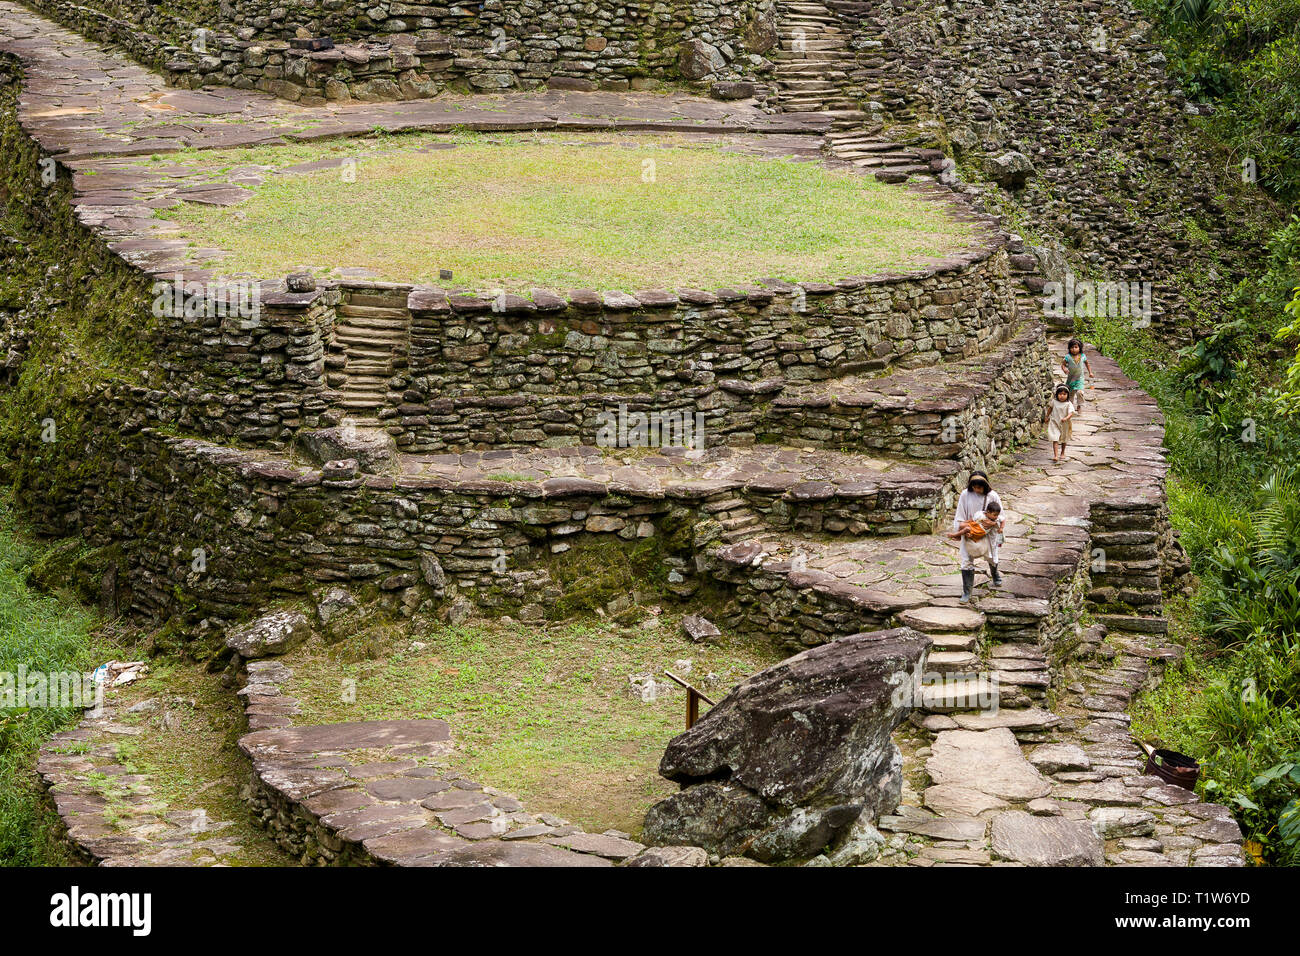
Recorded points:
(217, 532)
(541, 371)
(970, 410)
(532, 372)
(394, 51)
(1119, 180)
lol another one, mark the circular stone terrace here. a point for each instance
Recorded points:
(848, 404)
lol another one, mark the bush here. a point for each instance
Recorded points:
(1244, 55)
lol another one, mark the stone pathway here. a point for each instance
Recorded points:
(1075, 795)
(876, 491)
(112, 814)
(383, 792)
(1049, 779)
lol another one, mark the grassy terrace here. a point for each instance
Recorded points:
(562, 211)
(542, 711)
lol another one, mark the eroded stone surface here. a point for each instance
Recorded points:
(1045, 841)
(804, 747)
(988, 761)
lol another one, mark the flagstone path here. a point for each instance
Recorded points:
(1050, 778)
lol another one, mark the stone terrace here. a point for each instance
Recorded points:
(383, 792)
(802, 580)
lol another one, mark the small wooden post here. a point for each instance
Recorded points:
(693, 698)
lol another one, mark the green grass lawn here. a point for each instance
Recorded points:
(562, 211)
(541, 711)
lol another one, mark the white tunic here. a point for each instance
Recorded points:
(968, 506)
(1058, 423)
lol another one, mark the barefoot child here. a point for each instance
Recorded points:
(1075, 366)
(977, 504)
(1059, 418)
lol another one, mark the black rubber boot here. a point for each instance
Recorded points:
(967, 582)
(997, 576)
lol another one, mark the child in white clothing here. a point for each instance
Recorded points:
(1059, 418)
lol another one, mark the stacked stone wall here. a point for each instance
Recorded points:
(391, 51)
(1122, 186)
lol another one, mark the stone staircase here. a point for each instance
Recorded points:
(812, 61)
(371, 342)
(891, 162)
(1019, 747)
(821, 543)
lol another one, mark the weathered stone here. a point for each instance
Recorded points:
(1113, 822)
(1010, 170)
(496, 853)
(699, 629)
(1053, 758)
(805, 746)
(1045, 841)
(275, 633)
(721, 818)
(989, 761)
(860, 845)
(954, 800)
(670, 856)
(697, 59)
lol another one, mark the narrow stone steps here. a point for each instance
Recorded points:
(955, 642)
(368, 381)
(949, 661)
(388, 314)
(367, 352)
(367, 370)
(351, 343)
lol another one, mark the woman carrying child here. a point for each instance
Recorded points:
(978, 524)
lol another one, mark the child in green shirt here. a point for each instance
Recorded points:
(1075, 366)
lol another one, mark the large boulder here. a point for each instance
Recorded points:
(372, 448)
(697, 59)
(789, 761)
(276, 633)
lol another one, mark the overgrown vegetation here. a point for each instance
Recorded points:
(1234, 447)
(1244, 56)
(1231, 402)
(44, 634)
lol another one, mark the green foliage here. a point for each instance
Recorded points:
(1236, 503)
(1244, 55)
(1253, 582)
(1191, 12)
(39, 633)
